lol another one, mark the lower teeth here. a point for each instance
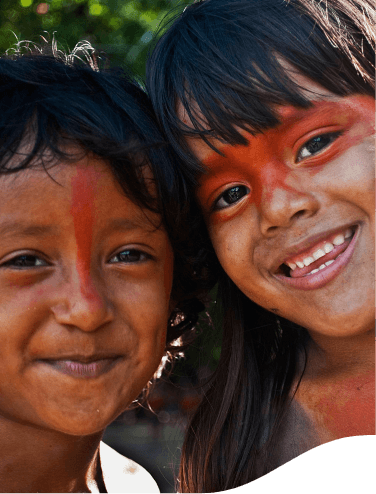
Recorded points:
(323, 266)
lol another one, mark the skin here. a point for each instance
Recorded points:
(74, 296)
(289, 195)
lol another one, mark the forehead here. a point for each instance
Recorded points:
(84, 188)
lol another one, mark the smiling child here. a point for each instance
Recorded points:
(88, 254)
(271, 105)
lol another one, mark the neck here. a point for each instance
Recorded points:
(341, 356)
(40, 460)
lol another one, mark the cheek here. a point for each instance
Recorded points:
(223, 244)
(233, 242)
(234, 250)
(147, 308)
(21, 312)
(354, 176)
(150, 326)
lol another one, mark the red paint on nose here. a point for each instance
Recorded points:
(83, 191)
(270, 177)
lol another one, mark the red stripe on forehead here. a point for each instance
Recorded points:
(84, 184)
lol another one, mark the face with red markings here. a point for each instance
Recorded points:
(85, 281)
(291, 214)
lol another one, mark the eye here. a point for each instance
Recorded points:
(316, 145)
(231, 196)
(129, 256)
(25, 261)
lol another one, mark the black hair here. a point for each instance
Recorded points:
(227, 56)
(224, 62)
(57, 102)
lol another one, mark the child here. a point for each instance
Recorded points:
(90, 244)
(271, 104)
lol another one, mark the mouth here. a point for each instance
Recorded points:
(321, 263)
(81, 367)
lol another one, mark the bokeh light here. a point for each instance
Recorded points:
(42, 8)
(26, 3)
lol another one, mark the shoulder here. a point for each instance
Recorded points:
(121, 474)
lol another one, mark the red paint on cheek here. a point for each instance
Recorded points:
(83, 192)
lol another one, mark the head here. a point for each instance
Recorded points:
(271, 104)
(89, 246)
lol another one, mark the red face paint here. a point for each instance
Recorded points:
(255, 165)
(348, 408)
(270, 159)
(84, 184)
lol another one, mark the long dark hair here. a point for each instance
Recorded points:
(61, 101)
(221, 59)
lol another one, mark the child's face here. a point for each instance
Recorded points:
(303, 194)
(85, 281)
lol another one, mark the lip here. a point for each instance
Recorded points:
(83, 367)
(326, 275)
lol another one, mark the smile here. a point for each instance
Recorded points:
(321, 263)
(85, 368)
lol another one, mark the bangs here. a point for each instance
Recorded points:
(223, 63)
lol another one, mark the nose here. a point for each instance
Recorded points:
(283, 202)
(82, 303)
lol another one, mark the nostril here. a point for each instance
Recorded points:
(298, 214)
(272, 229)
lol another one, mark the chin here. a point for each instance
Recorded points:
(81, 428)
(345, 324)
(81, 423)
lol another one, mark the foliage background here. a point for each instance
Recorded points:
(121, 28)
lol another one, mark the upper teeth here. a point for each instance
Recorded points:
(328, 247)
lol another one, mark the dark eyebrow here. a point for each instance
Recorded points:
(20, 229)
(139, 223)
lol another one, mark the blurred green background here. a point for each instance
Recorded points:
(121, 28)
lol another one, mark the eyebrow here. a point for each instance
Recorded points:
(141, 223)
(20, 229)
(27, 230)
(317, 105)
